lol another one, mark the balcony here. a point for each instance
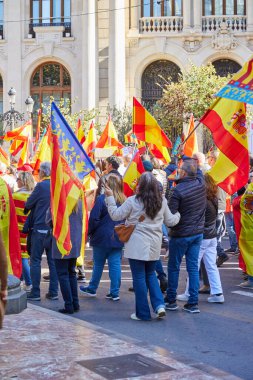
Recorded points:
(160, 25)
(66, 25)
(237, 24)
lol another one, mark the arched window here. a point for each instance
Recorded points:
(50, 79)
(154, 78)
(224, 7)
(224, 67)
(157, 8)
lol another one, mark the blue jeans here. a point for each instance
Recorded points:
(144, 280)
(113, 257)
(188, 246)
(159, 269)
(66, 272)
(26, 271)
(231, 230)
(37, 249)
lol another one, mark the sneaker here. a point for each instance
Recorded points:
(111, 297)
(221, 260)
(204, 290)
(163, 284)
(81, 279)
(27, 288)
(46, 277)
(191, 308)
(51, 297)
(246, 285)
(65, 311)
(134, 317)
(216, 298)
(161, 312)
(171, 306)
(85, 290)
(31, 297)
(183, 297)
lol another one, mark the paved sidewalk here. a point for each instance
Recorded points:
(42, 344)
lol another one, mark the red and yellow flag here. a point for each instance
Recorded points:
(9, 230)
(243, 217)
(43, 152)
(191, 145)
(91, 140)
(21, 142)
(4, 157)
(80, 132)
(132, 174)
(226, 119)
(66, 190)
(37, 137)
(146, 128)
(109, 137)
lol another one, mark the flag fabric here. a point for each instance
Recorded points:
(162, 153)
(91, 141)
(37, 136)
(80, 132)
(4, 158)
(65, 192)
(146, 128)
(109, 137)
(22, 138)
(132, 174)
(240, 87)
(130, 138)
(43, 152)
(176, 146)
(70, 148)
(243, 217)
(20, 198)
(9, 230)
(226, 119)
(191, 144)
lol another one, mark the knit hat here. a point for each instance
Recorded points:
(148, 166)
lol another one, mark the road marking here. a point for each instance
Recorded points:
(242, 293)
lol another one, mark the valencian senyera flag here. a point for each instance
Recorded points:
(66, 187)
(132, 174)
(9, 230)
(226, 119)
(243, 217)
(240, 87)
(70, 148)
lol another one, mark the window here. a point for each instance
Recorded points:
(1, 17)
(224, 67)
(50, 11)
(224, 7)
(49, 79)
(157, 8)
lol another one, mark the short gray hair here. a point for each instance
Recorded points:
(45, 167)
(190, 167)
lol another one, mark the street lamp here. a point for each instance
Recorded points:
(12, 116)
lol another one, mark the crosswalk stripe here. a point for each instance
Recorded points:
(242, 293)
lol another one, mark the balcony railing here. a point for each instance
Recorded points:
(156, 25)
(235, 23)
(67, 27)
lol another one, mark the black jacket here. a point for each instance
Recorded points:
(210, 219)
(189, 198)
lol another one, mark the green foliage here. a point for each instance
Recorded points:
(193, 93)
(122, 120)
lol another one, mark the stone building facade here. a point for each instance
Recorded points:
(104, 52)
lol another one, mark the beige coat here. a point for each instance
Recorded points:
(145, 242)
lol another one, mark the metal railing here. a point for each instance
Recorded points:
(66, 32)
(211, 24)
(153, 25)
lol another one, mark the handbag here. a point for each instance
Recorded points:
(124, 232)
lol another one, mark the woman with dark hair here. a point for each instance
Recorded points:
(141, 248)
(208, 246)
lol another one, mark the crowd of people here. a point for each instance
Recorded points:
(176, 206)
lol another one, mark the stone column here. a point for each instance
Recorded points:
(249, 8)
(197, 15)
(187, 15)
(135, 15)
(14, 36)
(117, 54)
(89, 72)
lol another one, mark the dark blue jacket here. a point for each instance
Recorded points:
(39, 202)
(101, 226)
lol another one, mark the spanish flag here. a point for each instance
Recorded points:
(21, 141)
(109, 137)
(243, 217)
(4, 157)
(9, 230)
(191, 144)
(79, 132)
(91, 140)
(43, 152)
(132, 174)
(226, 119)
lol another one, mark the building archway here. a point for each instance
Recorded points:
(224, 67)
(154, 77)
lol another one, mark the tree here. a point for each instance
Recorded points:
(193, 93)
(122, 120)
